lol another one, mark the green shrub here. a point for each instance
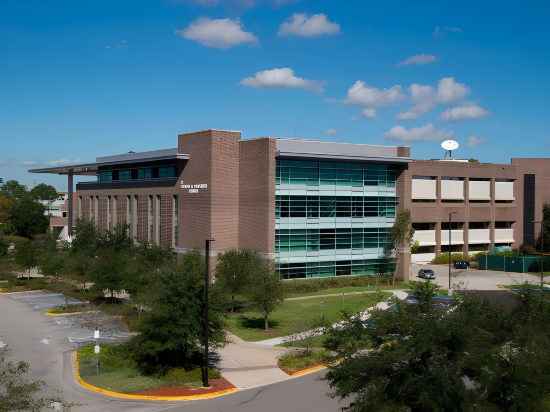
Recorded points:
(315, 285)
(181, 376)
(443, 258)
(4, 245)
(295, 361)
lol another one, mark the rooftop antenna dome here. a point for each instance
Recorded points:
(449, 146)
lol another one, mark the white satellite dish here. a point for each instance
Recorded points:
(449, 146)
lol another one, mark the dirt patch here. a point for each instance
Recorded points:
(216, 385)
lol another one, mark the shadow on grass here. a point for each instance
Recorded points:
(256, 322)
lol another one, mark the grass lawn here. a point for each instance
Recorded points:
(314, 342)
(119, 373)
(345, 289)
(298, 315)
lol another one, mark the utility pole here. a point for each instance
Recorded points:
(204, 369)
(450, 243)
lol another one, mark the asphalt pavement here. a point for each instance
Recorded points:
(47, 342)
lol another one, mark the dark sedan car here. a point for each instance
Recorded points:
(426, 274)
(461, 264)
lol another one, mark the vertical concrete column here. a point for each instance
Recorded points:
(466, 230)
(466, 225)
(70, 189)
(437, 238)
(438, 191)
(492, 214)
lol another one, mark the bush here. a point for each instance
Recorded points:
(295, 361)
(4, 245)
(315, 285)
(443, 258)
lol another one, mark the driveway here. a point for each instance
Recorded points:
(473, 279)
(47, 342)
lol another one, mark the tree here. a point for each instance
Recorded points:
(51, 260)
(109, 270)
(235, 270)
(6, 204)
(266, 291)
(27, 217)
(475, 357)
(26, 255)
(170, 334)
(4, 246)
(401, 235)
(13, 189)
(77, 267)
(18, 392)
(544, 238)
(44, 192)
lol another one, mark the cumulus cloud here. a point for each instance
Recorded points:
(467, 111)
(414, 134)
(474, 141)
(449, 90)
(425, 97)
(418, 60)
(300, 24)
(217, 33)
(369, 113)
(330, 132)
(370, 97)
(283, 77)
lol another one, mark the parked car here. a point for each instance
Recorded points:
(461, 264)
(426, 274)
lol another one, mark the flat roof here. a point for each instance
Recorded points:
(338, 151)
(90, 169)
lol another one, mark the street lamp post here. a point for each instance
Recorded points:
(204, 369)
(450, 243)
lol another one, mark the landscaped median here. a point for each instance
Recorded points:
(118, 376)
(294, 316)
(301, 362)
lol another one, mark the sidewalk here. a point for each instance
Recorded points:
(246, 364)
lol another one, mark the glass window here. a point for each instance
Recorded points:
(167, 171)
(124, 175)
(144, 173)
(105, 176)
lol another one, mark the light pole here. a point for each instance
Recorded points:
(450, 243)
(204, 369)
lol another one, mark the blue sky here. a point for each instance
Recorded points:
(80, 79)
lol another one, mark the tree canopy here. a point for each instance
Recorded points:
(44, 192)
(472, 356)
(171, 332)
(26, 217)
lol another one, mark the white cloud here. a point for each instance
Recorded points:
(474, 141)
(425, 98)
(218, 33)
(330, 132)
(418, 59)
(414, 134)
(448, 90)
(467, 111)
(371, 97)
(283, 77)
(300, 24)
(369, 113)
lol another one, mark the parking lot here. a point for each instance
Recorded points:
(473, 279)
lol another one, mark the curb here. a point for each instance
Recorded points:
(120, 395)
(53, 315)
(307, 371)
